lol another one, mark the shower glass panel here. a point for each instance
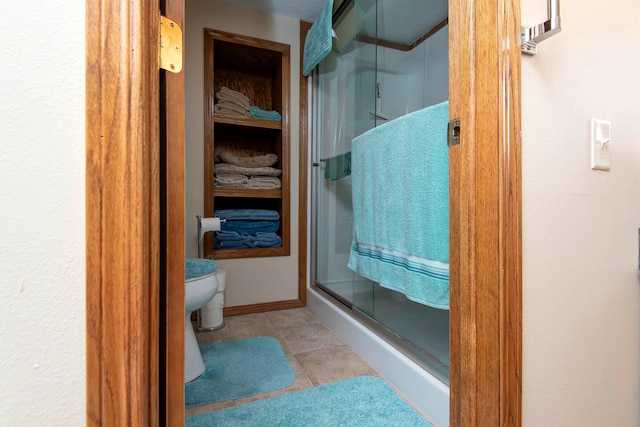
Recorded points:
(397, 64)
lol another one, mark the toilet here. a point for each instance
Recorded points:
(201, 285)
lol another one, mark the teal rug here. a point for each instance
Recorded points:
(357, 402)
(241, 368)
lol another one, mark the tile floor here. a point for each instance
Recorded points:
(316, 355)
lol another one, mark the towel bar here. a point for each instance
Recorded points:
(530, 36)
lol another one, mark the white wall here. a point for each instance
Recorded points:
(581, 314)
(42, 166)
(254, 280)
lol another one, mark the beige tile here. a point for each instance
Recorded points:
(309, 337)
(333, 364)
(206, 337)
(246, 326)
(282, 319)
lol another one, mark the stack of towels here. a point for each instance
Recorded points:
(259, 113)
(247, 228)
(254, 172)
(234, 103)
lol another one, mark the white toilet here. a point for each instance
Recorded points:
(201, 285)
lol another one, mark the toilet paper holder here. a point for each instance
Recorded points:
(206, 225)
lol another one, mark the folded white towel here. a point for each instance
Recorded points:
(230, 180)
(232, 101)
(234, 93)
(230, 109)
(264, 182)
(264, 171)
(249, 162)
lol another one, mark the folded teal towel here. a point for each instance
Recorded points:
(259, 113)
(400, 190)
(338, 166)
(248, 214)
(318, 43)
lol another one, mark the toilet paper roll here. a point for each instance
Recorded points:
(209, 224)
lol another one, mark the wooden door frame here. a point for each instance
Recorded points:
(134, 218)
(126, 265)
(485, 214)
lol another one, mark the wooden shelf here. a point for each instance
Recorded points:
(259, 69)
(248, 192)
(247, 253)
(247, 121)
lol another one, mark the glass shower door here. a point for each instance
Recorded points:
(377, 78)
(343, 102)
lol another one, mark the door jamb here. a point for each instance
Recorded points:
(122, 223)
(485, 214)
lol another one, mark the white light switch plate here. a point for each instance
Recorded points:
(600, 144)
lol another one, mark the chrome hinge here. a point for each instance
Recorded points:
(170, 45)
(453, 134)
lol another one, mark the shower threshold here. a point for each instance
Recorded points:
(418, 355)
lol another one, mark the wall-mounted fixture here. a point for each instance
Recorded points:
(531, 36)
(600, 144)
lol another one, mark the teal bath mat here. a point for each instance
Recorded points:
(360, 401)
(241, 368)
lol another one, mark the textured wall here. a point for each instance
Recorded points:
(250, 280)
(42, 265)
(580, 227)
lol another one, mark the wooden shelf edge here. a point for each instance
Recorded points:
(247, 193)
(247, 121)
(248, 253)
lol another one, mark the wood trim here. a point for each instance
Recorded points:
(400, 46)
(247, 121)
(510, 162)
(173, 228)
(303, 163)
(122, 201)
(485, 212)
(262, 307)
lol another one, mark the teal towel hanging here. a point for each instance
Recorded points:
(338, 166)
(400, 193)
(318, 43)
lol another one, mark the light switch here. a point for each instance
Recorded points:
(600, 144)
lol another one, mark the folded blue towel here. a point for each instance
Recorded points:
(259, 113)
(338, 166)
(250, 227)
(234, 240)
(400, 190)
(221, 244)
(229, 236)
(264, 240)
(318, 43)
(251, 214)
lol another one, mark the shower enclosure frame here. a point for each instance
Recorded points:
(485, 223)
(485, 211)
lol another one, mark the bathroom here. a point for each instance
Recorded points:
(246, 278)
(581, 328)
